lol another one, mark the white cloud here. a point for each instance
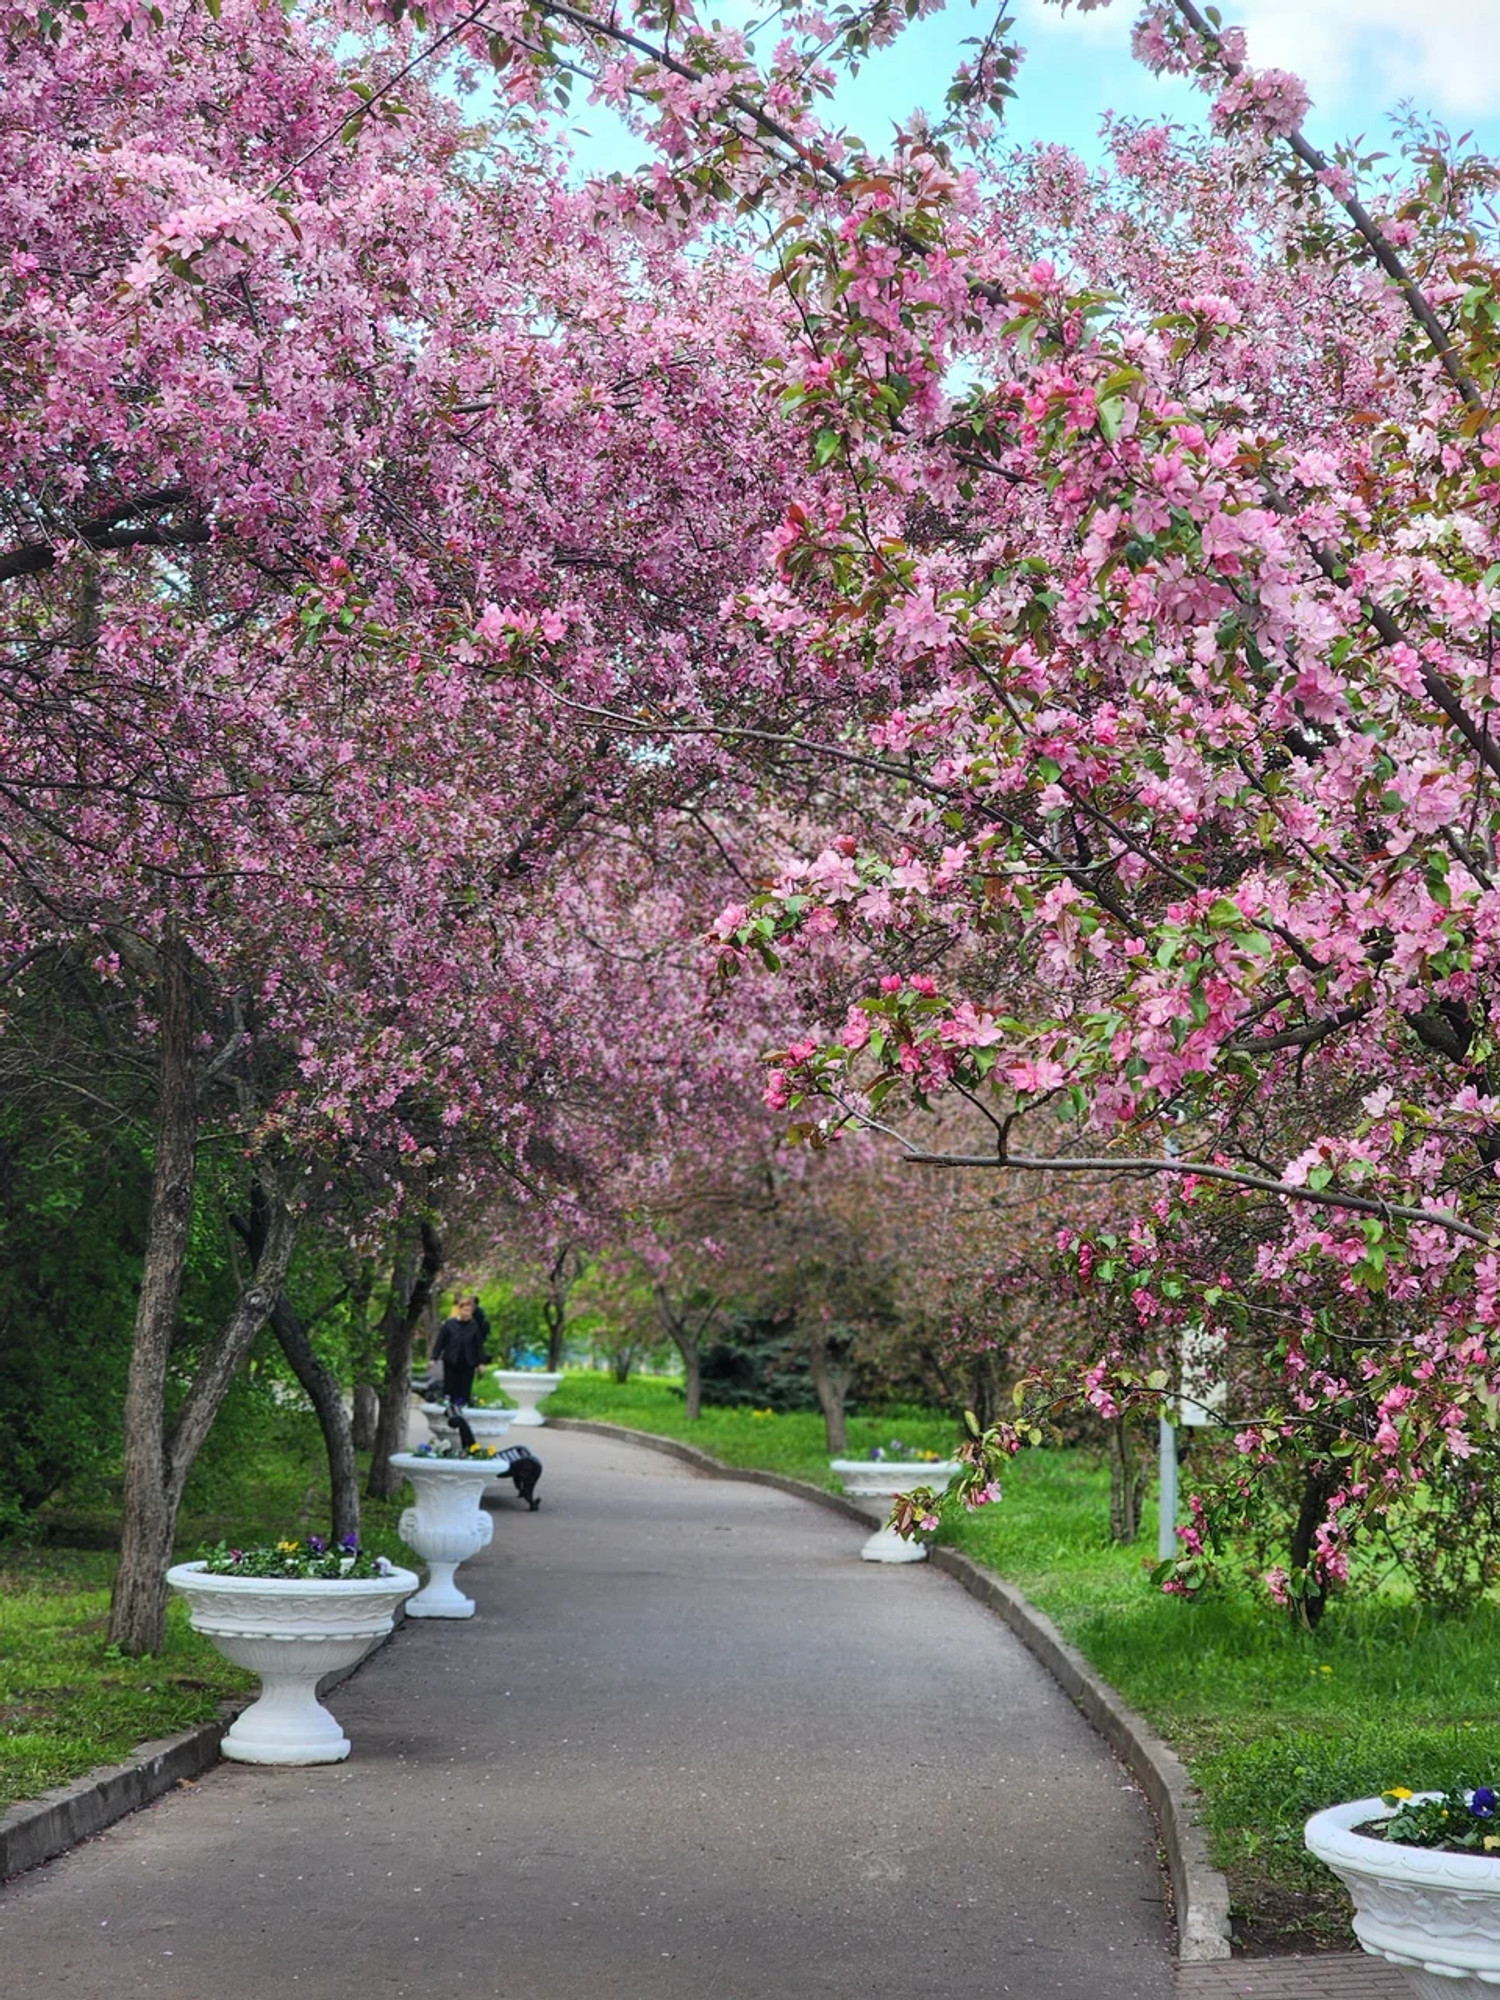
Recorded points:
(1358, 57)
(1361, 56)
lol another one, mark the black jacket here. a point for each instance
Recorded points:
(459, 1341)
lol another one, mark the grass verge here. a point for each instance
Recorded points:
(68, 1699)
(1272, 1721)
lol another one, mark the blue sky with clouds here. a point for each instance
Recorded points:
(1359, 58)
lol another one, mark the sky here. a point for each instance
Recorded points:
(1359, 58)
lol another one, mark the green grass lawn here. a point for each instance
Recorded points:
(68, 1699)
(791, 1444)
(1273, 1722)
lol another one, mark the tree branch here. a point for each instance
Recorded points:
(1369, 229)
(1440, 1218)
(112, 530)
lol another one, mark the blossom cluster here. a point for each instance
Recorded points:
(313, 1558)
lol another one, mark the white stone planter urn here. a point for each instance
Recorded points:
(488, 1425)
(884, 1479)
(1435, 1915)
(291, 1631)
(526, 1387)
(445, 1527)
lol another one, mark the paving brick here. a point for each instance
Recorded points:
(1318, 1978)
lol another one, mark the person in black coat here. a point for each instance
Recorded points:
(460, 1348)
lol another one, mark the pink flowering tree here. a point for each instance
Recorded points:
(1166, 497)
(347, 461)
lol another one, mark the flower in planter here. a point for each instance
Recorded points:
(1457, 1821)
(903, 1454)
(452, 1448)
(310, 1560)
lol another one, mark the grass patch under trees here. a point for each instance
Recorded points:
(68, 1699)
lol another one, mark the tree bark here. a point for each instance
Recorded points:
(688, 1340)
(555, 1306)
(137, 1607)
(1127, 1483)
(832, 1374)
(403, 1311)
(321, 1385)
(163, 1459)
(326, 1395)
(366, 1415)
(1318, 1488)
(366, 1396)
(692, 1378)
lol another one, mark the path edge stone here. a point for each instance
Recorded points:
(1200, 1891)
(36, 1830)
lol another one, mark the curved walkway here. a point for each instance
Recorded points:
(690, 1749)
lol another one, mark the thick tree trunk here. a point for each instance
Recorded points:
(692, 1366)
(403, 1311)
(620, 1364)
(832, 1375)
(138, 1606)
(366, 1415)
(326, 1395)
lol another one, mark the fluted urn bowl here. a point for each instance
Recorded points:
(291, 1631)
(445, 1526)
(526, 1387)
(885, 1479)
(488, 1424)
(1435, 1915)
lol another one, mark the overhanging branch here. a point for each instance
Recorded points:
(1439, 1218)
(129, 524)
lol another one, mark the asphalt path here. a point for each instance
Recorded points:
(690, 1748)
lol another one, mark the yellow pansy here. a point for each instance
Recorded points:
(287, 1548)
(1397, 1792)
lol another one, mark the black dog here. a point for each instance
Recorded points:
(525, 1468)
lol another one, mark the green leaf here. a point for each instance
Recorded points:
(1112, 417)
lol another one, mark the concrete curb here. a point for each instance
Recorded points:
(1200, 1892)
(37, 1830)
